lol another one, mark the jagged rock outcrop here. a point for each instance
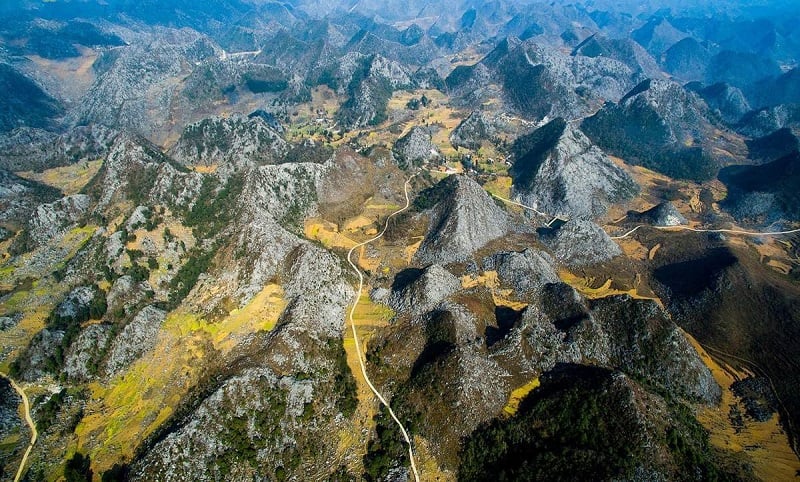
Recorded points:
(663, 214)
(136, 91)
(464, 220)
(454, 370)
(580, 243)
(612, 404)
(372, 80)
(636, 336)
(53, 219)
(762, 122)
(424, 291)
(624, 50)
(19, 197)
(82, 360)
(28, 148)
(230, 143)
(470, 132)
(138, 171)
(539, 82)
(558, 171)
(725, 101)
(138, 337)
(416, 146)
(525, 272)
(658, 125)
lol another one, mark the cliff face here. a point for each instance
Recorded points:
(464, 221)
(560, 172)
(659, 125)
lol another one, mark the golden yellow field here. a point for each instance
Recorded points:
(69, 179)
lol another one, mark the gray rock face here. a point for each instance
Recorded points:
(53, 219)
(138, 337)
(137, 170)
(727, 102)
(231, 143)
(39, 352)
(9, 408)
(369, 96)
(645, 335)
(35, 149)
(539, 82)
(454, 370)
(433, 285)
(80, 363)
(636, 336)
(137, 90)
(317, 292)
(266, 403)
(472, 130)
(581, 243)
(765, 121)
(416, 146)
(75, 304)
(465, 220)
(563, 174)
(526, 272)
(8, 322)
(19, 197)
(659, 125)
(664, 214)
(124, 293)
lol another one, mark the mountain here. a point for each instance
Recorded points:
(229, 144)
(415, 147)
(539, 82)
(182, 185)
(764, 193)
(559, 171)
(470, 132)
(657, 35)
(463, 219)
(662, 214)
(725, 101)
(26, 103)
(659, 125)
(624, 50)
(773, 146)
(371, 84)
(36, 149)
(579, 242)
(687, 59)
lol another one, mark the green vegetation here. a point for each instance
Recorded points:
(78, 469)
(384, 451)
(186, 277)
(214, 208)
(343, 382)
(584, 426)
(46, 413)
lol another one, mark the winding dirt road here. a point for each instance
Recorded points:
(34, 434)
(663, 228)
(696, 230)
(355, 334)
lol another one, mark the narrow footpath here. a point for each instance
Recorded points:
(355, 334)
(34, 434)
